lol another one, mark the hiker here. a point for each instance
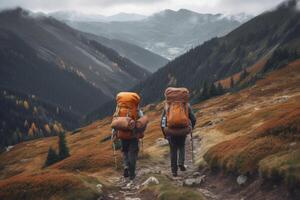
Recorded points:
(128, 125)
(177, 122)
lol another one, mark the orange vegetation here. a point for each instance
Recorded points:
(257, 129)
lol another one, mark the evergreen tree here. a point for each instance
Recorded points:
(232, 83)
(63, 150)
(213, 90)
(52, 157)
(220, 89)
(244, 74)
(205, 92)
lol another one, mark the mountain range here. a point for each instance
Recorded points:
(262, 44)
(78, 16)
(168, 33)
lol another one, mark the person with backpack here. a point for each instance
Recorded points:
(128, 125)
(177, 122)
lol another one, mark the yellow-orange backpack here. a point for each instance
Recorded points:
(126, 109)
(176, 108)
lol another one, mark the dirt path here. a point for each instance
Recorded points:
(132, 190)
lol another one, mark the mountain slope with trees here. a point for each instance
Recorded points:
(265, 43)
(67, 49)
(273, 36)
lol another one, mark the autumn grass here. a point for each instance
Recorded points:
(265, 130)
(48, 186)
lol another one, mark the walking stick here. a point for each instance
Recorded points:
(114, 151)
(192, 144)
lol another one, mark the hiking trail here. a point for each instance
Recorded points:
(132, 190)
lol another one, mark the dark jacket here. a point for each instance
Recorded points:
(191, 117)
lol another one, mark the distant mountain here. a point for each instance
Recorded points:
(123, 17)
(272, 37)
(78, 16)
(75, 16)
(265, 43)
(142, 57)
(41, 46)
(168, 33)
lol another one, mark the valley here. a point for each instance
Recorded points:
(239, 119)
(57, 96)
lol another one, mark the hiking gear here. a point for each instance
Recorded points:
(127, 106)
(177, 131)
(115, 156)
(123, 123)
(182, 168)
(141, 125)
(132, 177)
(163, 122)
(176, 107)
(192, 145)
(174, 174)
(126, 173)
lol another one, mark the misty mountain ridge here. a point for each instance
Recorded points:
(167, 33)
(79, 16)
(262, 44)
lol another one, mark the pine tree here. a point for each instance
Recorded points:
(232, 83)
(63, 150)
(213, 90)
(52, 157)
(220, 89)
(205, 92)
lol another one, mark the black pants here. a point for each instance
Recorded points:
(177, 151)
(130, 149)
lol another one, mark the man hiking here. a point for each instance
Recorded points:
(177, 122)
(128, 125)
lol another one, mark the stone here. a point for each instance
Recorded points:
(9, 148)
(99, 187)
(194, 181)
(150, 180)
(196, 174)
(161, 142)
(293, 144)
(241, 180)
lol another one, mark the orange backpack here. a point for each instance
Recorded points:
(127, 106)
(176, 107)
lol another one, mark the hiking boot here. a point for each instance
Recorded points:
(182, 168)
(174, 174)
(132, 177)
(126, 173)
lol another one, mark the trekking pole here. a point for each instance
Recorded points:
(114, 151)
(192, 145)
(142, 146)
(115, 156)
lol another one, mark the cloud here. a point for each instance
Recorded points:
(109, 7)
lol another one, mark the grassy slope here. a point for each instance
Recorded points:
(245, 137)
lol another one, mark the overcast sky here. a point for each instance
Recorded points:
(146, 7)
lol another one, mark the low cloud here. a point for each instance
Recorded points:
(109, 7)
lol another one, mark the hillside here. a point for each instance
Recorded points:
(25, 117)
(259, 46)
(167, 33)
(65, 49)
(142, 57)
(259, 124)
(271, 38)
